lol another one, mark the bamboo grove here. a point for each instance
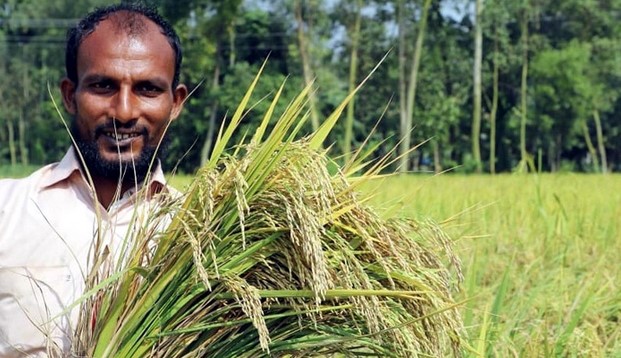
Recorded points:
(485, 85)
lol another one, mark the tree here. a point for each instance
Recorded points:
(524, 86)
(478, 59)
(444, 94)
(496, 21)
(307, 70)
(352, 79)
(406, 123)
(544, 78)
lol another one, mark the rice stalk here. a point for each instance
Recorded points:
(271, 253)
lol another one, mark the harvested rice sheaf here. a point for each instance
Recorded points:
(272, 252)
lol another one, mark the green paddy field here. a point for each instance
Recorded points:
(541, 256)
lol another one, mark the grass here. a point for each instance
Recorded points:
(17, 171)
(540, 255)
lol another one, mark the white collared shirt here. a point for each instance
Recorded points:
(48, 223)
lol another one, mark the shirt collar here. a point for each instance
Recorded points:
(70, 165)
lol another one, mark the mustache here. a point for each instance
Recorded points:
(113, 125)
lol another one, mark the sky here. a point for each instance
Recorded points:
(451, 8)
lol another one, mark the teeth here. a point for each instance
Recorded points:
(121, 136)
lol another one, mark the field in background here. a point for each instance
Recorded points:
(18, 171)
(540, 254)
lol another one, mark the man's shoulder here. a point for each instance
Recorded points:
(14, 196)
(14, 186)
(11, 185)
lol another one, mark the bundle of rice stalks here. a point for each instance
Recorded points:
(273, 252)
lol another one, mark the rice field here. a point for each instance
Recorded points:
(17, 171)
(540, 256)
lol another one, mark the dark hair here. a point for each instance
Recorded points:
(87, 25)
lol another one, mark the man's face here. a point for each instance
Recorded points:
(123, 99)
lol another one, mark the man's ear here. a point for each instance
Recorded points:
(179, 96)
(67, 89)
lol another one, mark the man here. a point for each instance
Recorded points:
(122, 90)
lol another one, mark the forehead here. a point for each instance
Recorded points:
(132, 42)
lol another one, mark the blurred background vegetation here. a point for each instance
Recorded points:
(488, 86)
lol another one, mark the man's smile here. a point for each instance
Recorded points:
(121, 136)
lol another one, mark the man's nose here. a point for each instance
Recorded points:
(125, 106)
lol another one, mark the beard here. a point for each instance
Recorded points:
(128, 171)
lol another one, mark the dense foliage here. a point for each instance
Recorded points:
(550, 76)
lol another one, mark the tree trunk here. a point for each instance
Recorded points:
(21, 131)
(437, 163)
(416, 156)
(12, 150)
(590, 146)
(523, 90)
(232, 52)
(494, 109)
(478, 59)
(600, 141)
(353, 74)
(21, 123)
(208, 144)
(403, 113)
(406, 127)
(206, 149)
(306, 66)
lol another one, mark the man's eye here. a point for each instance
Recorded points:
(149, 89)
(101, 86)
